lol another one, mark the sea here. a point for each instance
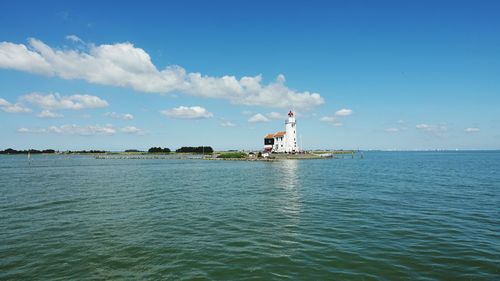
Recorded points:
(390, 216)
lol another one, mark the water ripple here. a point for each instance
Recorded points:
(427, 216)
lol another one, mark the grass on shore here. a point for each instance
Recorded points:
(232, 155)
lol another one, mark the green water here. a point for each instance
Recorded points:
(391, 216)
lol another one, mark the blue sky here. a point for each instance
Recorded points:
(360, 74)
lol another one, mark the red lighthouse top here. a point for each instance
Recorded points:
(290, 114)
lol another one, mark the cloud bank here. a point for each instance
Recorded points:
(73, 130)
(124, 65)
(57, 102)
(50, 102)
(88, 130)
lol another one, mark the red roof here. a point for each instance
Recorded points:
(279, 134)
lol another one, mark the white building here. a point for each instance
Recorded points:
(283, 142)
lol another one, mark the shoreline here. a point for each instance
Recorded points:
(219, 155)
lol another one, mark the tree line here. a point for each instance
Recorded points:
(159, 150)
(47, 151)
(32, 151)
(198, 149)
(184, 149)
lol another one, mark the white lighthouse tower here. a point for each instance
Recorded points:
(284, 141)
(291, 134)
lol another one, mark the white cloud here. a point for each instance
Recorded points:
(335, 118)
(258, 118)
(19, 57)
(123, 116)
(331, 119)
(74, 38)
(13, 107)
(4, 102)
(227, 124)
(184, 112)
(128, 116)
(88, 130)
(328, 119)
(425, 127)
(438, 129)
(275, 115)
(56, 101)
(132, 130)
(392, 130)
(472, 130)
(400, 126)
(73, 130)
(52, 102)
(49, 114)
(343, 112)
(124, 65)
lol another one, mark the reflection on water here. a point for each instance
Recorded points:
(289, 183)
(289, 170)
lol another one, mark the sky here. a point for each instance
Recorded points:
(118, 75)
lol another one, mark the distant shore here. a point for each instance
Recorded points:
(231, 155)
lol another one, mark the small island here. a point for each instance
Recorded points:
(188, 152)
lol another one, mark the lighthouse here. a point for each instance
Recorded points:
(285, 141)
(291, 134)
